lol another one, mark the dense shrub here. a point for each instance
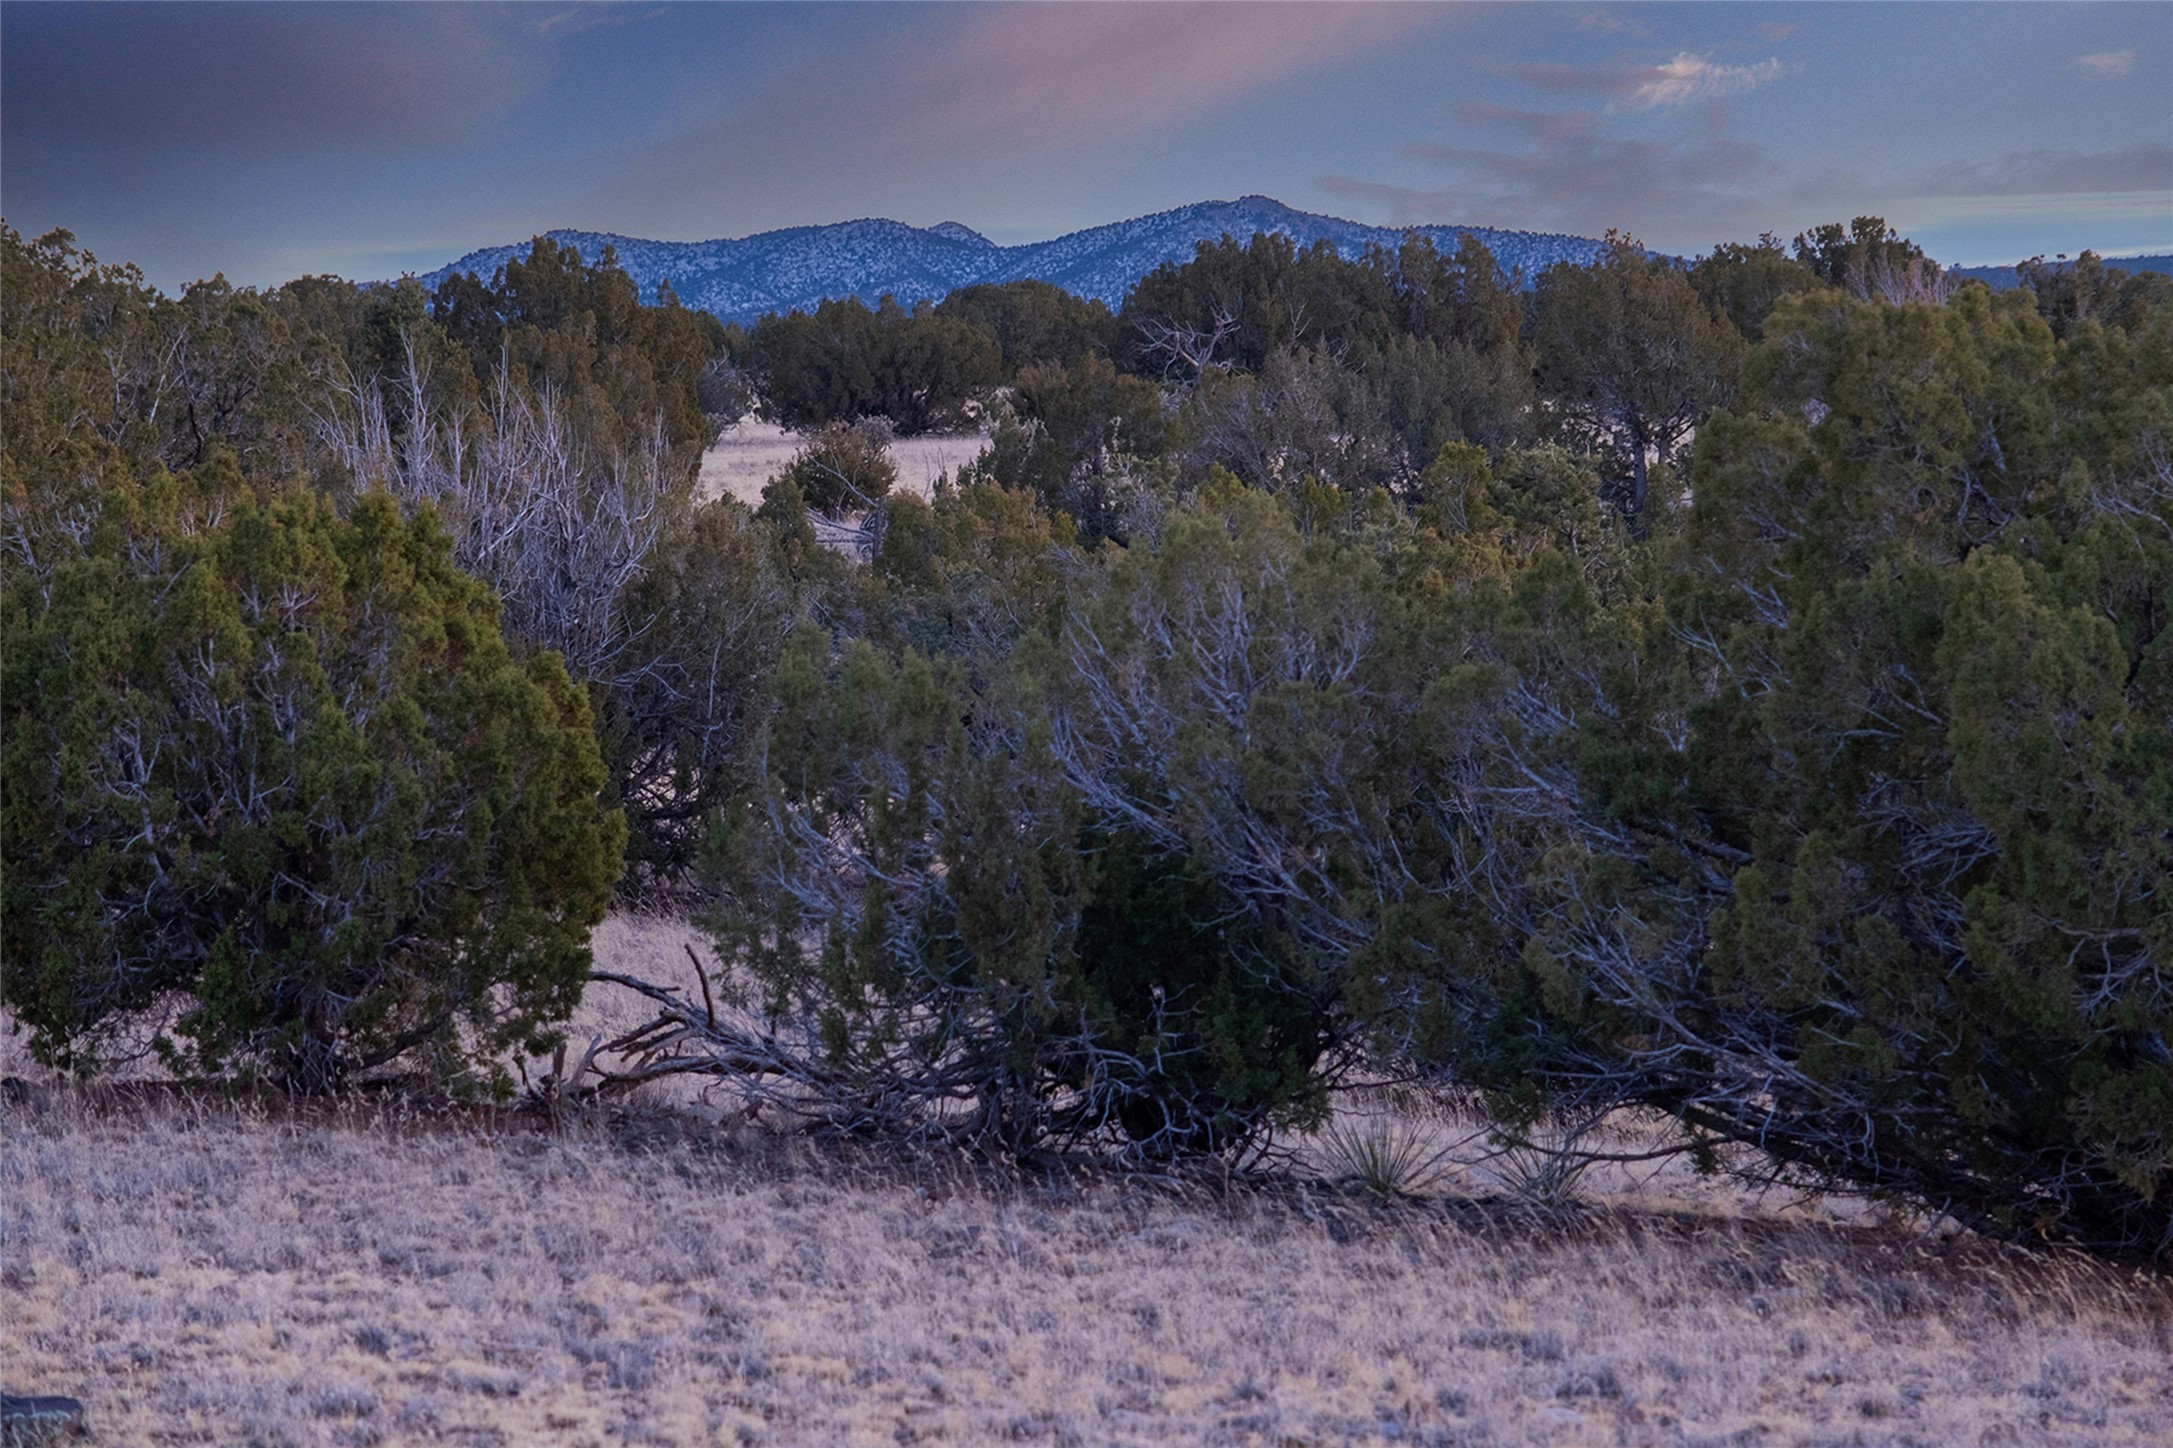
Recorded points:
(577, 328)
(920, 897)
(2071, 293)
(844, 361)
(1870, 861)
(678, 730)
(845, 468)
(1744, 283)
(1632, 359)
(1083, 439)
(1236, 303)
(281, 767)
(1034, 323)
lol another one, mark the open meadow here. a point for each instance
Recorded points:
(751, 452)
(212, 1271)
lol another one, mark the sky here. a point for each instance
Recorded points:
(268, 141)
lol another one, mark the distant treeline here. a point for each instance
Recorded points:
(1741, 690)
(2001, 278)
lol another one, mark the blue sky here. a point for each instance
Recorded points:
(273, 140)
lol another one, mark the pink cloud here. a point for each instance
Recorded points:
(1055, 72)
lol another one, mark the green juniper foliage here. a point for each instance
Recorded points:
(282, 765)
(1878, 882)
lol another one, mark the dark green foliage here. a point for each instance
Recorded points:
(1453, 301)
(678, 731)
(925, 880)
(1632, 358)
(1309, 366)
(2070, 293)
(1236, 304)
(280, 767)
(973, 573)
(98, 360)
(579, 330)
(1091, 413)
(1743, 283)
(845, 468)
(843, 362)
(1871, 262)
(1304, 415)
(1221, 729)
(1202, 1027)
(1034, 324)
(1080, 438)
(1890, 904)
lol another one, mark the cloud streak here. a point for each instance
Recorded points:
(1672, 84)
(2106, 62)
(1689, 78)
(1571, 170)
(1044, 74)
(993, 88)
(2145, 168)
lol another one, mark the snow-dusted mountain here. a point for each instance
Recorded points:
(778, 271)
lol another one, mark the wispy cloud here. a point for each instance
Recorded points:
(586, 15)
(1690, 77)
(1671, 84)
(2105, 62)
(2141, 169)
(1611, 22)
(1057, 72)
(1570, 170)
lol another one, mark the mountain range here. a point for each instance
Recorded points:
(778, 271)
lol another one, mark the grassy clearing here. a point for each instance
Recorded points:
(753, 452)
(213, 1271)
(219, 1273)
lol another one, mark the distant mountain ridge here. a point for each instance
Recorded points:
(801, 266)
(2000, 278)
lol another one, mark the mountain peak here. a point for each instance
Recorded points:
(959, 231)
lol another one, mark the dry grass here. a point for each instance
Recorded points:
(753, 452)
(204, 1271)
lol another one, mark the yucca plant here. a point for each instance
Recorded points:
(1387, 1156)
(1541, 1164)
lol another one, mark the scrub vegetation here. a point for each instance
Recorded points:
(1715, 719)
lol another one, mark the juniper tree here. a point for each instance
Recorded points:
(280, 769)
